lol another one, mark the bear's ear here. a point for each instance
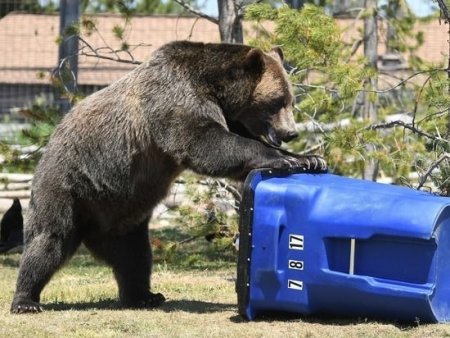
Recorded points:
(277, 52)
(254, 60)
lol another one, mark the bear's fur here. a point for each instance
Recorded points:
(217, 109)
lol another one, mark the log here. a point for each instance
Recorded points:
(15, 194)
(15, 186)
(16, 178)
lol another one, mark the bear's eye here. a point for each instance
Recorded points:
(280, 103)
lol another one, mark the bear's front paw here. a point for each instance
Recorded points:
(312, 162)
(25, 306)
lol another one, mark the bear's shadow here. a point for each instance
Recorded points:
(324, 319)
(192, 306)
(201, 307)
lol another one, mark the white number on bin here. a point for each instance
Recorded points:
(295, 284)
(296, 265)
(296, 242)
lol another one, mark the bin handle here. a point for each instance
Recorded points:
(351, 265)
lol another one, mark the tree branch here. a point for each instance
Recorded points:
(312, 149)
(241, 7)
(197, 12)
(304, 85)
(94, 52)
(444, 10)
(434, 165)
(403, 81)
(192, 28)
(223, 184)
(416, 101)
(355, 48)
(58, 72)
(426, 117)
(406, 126)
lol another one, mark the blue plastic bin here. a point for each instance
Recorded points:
(321, 243)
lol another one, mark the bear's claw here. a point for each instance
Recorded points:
(305, 162)
(309, 162)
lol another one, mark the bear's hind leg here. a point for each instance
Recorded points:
(44, 253)
(130, 257)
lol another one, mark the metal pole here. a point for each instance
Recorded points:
(68, 49)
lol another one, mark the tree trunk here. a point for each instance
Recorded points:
(295, 4)
(446, 15)
(230, 22)
(370, 112)
(394, 12)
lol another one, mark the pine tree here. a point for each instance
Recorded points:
(330, 81)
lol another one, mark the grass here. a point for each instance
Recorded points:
(81, 301)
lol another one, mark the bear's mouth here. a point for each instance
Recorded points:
(271, 138)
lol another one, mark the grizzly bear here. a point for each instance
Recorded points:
(216, 109)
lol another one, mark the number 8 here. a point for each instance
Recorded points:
(297, 265)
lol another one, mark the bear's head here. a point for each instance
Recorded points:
(266, 114)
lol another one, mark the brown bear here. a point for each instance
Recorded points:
(217, 109)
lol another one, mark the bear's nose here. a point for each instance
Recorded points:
(290, 136)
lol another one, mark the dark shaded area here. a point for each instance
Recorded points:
(105, 304)
(191, 306)
(201, 307)
(10, 260)
(11, 227)
(195, 306)
(323, 319)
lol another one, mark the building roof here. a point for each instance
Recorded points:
(30, 48)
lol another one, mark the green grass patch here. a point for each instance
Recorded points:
(81, 301)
